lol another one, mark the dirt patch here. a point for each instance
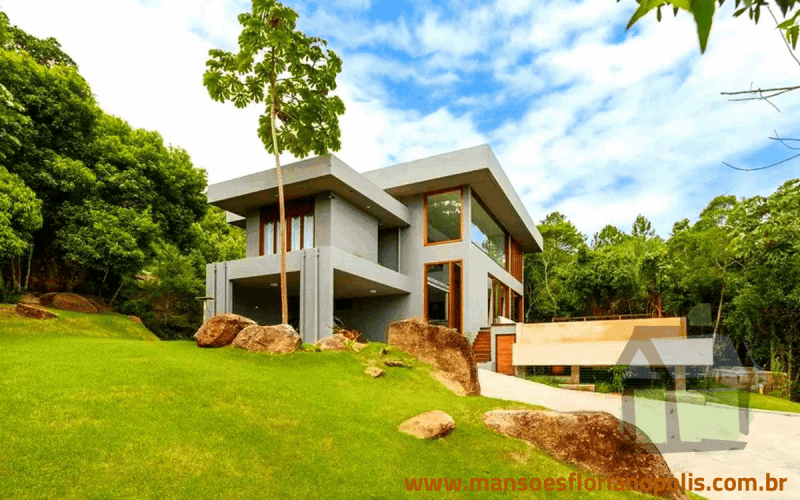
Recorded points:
(595, 441)
(444, 348)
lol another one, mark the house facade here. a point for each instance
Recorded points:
(440, 238)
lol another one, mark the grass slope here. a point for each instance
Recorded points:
(91, 411)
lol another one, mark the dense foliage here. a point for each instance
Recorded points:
(90, 204)
(742, 256)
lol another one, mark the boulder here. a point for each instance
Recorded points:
(220, 330)
(395, 363)
(29, 298)
(335, 342)
(433, 424)
(338, 342)
(444, 348)
(47, 299)
(68, 302)
(374, 372)
(595, 441)
(136, 319)
(274, 338)
(33, 311)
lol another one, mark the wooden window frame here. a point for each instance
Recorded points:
(515, 259)
(506, 295)
(460, 189)
(451, 301)
(295, 208)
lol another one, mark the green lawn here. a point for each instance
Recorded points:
(92, 411)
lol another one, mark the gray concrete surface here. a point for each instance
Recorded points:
(772, 445)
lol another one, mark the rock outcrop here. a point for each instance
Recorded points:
(34, 311)
(444, 348)
(595, 441)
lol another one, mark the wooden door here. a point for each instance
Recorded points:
(503, 345)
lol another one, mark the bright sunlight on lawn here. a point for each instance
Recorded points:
(90, 410)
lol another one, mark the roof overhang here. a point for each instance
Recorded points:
(476, 166)
(308, 178)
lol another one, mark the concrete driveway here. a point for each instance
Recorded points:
(772, 445)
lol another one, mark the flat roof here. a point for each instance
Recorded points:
(476, 166)
(307, 178)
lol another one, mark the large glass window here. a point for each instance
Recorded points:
(443, 294)
(299, 222)
(443, 217)
(487, 234)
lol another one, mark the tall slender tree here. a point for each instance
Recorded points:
(292, 75)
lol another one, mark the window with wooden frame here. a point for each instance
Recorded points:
(516, 313)
(499, 300)
(299, 227)
(443, 294)
(443, 213)
(514, 259)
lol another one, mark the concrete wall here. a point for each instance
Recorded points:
(372, 315)
(262, 305)
(253, 232)
(592, 343)
(353, 230)
(389, 248)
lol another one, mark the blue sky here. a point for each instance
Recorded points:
(587, 119)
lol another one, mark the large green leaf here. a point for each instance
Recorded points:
(703, 12)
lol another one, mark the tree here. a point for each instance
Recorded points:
(292, 74)
(20, 217)
(12, 120)
(642, 228)
(609, 235)
(546, 293)
(46, 52)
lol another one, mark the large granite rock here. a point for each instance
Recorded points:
(274, 338)
(33, 311)
(338, 342)
(69, 302)
(444, 348)
(595, 441)
(433, 424)
(220, 330)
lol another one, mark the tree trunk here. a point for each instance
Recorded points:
(28, 273)
(105, 276)
(114, 297)
(282, 210)
(719, 316)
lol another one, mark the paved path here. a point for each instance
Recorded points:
(772, 445)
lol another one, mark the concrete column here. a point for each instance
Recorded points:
(308, 276)
(680, 378)
(324, 306)
(575, 375)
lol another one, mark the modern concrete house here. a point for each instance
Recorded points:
(440, 238)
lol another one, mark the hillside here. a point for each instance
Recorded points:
(92, 411)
